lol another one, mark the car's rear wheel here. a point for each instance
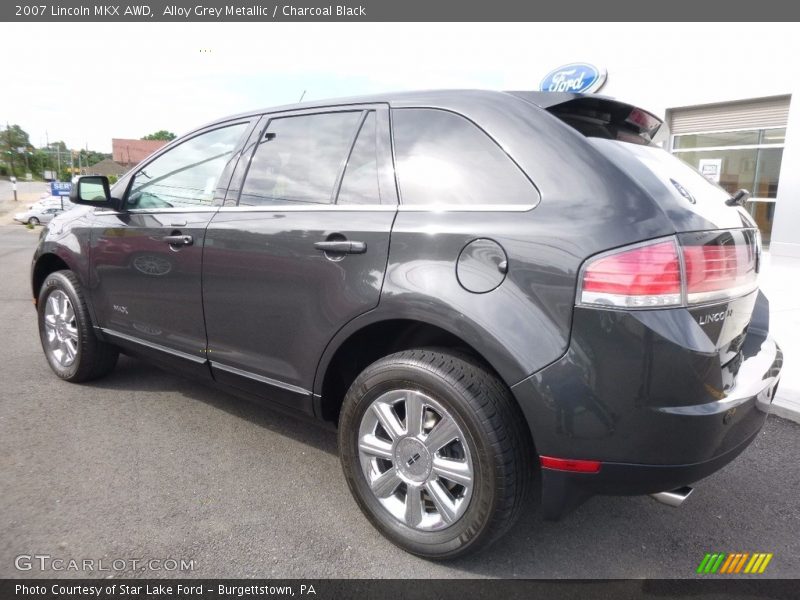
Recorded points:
(435, 452)
(33, 221)
(65, 328)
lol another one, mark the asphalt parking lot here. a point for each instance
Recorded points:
(144, 464)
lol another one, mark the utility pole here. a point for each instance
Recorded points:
(10, 151)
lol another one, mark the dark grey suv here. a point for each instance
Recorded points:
(483, 290)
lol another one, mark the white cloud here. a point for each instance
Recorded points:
(89, 82)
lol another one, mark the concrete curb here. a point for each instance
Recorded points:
(786, 408)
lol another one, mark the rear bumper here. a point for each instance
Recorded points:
(645, 395)
(564, 491)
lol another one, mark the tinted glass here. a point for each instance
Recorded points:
(442, 158)
(299, 159)
(360, 181)
(186, 175)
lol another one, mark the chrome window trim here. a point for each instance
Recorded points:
(433, 208)
(309, 208)
(174, 209)
(467, 207)
(156, 211)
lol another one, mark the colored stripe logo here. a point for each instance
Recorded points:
(734, 563)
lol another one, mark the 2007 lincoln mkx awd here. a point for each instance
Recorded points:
(479, 288)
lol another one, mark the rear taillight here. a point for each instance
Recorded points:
(718, 272)
(644, 276)
(677, 271)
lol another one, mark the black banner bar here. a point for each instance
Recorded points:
(149, 11)
(458, 589)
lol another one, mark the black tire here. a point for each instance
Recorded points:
(93, 359)
(497, 437)
(33, 221)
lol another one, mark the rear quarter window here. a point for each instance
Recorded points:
(442, 158)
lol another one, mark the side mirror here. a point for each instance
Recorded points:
(92, 190)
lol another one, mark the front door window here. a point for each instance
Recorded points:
(187, 174)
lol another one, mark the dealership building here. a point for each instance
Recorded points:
(738, 137)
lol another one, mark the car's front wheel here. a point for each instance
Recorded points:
(435, 452)
(65, 329)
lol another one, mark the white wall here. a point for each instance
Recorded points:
(786, 227)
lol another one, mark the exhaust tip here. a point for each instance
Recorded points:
(673, 498)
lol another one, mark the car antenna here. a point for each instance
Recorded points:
(302, 96)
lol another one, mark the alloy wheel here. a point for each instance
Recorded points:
(415, 459)
(61, 328)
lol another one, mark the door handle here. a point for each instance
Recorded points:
(178, 240)
(341, 247)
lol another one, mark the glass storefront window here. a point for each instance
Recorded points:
(762, 211)
(749, 159)
(737, 168)
(773, 136)
(755, 170)
(715, 140)
(768, 169)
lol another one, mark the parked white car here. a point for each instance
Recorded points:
(51, 202)
(37, 216)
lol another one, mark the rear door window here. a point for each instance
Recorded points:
(299, 158)
(360, 183)
(444, 159)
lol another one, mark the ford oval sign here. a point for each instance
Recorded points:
(575, 77)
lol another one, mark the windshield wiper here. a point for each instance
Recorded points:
(739, 198)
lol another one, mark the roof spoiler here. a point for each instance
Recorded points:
(597, 116)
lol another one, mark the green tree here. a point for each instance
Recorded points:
(92, 157)
(15, 146)
(161, 134)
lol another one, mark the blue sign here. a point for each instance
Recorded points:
(60, 188)
(578, 78)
